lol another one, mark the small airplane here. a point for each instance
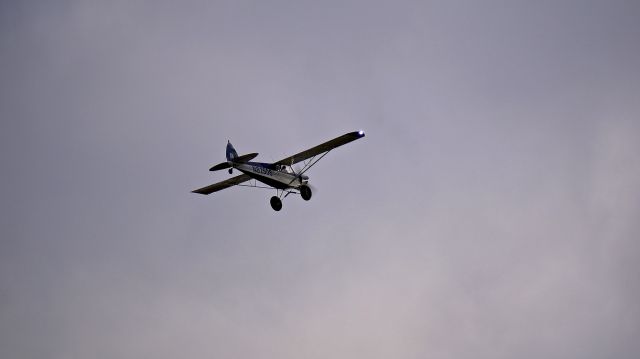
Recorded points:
(279, 175)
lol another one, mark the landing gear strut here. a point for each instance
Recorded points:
(305, 192)
(276, 203)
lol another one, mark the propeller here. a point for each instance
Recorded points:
(297, 170)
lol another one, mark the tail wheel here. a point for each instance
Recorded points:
(305, 192)
(276, 203)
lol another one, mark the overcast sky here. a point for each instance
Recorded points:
(490, 212)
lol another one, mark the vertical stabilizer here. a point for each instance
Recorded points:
(231, 152)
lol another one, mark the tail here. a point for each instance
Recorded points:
(232, 157)
(231, 152)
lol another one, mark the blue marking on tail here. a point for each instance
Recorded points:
(231, 152)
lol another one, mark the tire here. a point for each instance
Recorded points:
(305, 192)
(276, 203)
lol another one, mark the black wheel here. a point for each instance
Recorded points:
(276, 203)
(305, 192)
(230, 171)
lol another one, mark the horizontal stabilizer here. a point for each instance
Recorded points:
(245, 158)
(239, 159)
(220, 166)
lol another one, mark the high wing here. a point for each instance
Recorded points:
(222, 185)
(321, 148)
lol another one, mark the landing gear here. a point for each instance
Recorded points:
(230, 171)
(276, 203)
(305, 192)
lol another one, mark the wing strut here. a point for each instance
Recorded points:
(311, 163)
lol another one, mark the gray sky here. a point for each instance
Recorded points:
(491, 211)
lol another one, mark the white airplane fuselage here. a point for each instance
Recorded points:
(265, 173)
